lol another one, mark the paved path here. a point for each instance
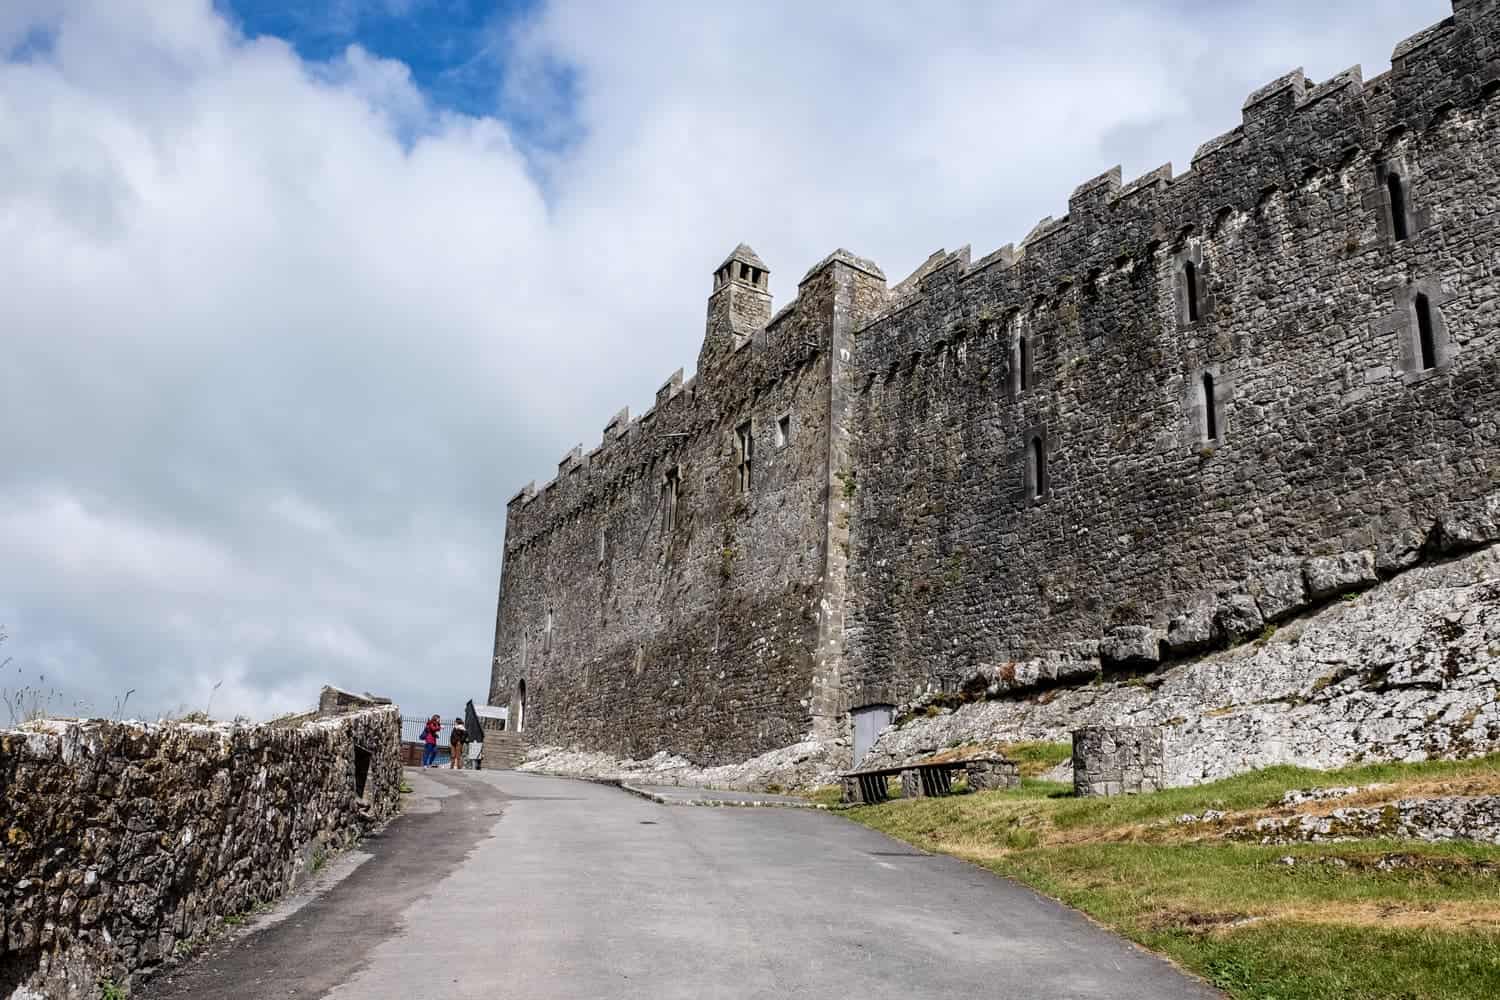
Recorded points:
(677, 795)
(581, 891)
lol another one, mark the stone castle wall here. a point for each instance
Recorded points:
(123, 843)
(1327, 436)
(1180, 403)
(635, 629)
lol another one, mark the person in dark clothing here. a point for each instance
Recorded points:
(457, 737)
(430, 738)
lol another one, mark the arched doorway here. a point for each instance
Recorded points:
(520, 705)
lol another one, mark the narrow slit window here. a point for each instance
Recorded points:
(1210, 416)
(1190, 280)
(1398, 205)
(744, 447)
(1023, 361)
(361, 770)
(1036, 468)
(1426, 342)
(669, 500)
(783, 430)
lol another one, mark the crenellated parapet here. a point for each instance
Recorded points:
(1291, 131)
(747, 353)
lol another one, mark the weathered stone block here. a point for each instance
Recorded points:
(1238, 616)
(1194, 629)
(1470, 524)
(1130, 644)
(1399, 551)
(991, 775)
(1279, 593)
(1330, 575)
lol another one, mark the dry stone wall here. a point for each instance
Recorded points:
(123, 843)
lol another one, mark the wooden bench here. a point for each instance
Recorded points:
(927, 779)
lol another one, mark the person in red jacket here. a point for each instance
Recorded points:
(430, 738)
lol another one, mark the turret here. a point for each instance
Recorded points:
(739, 306)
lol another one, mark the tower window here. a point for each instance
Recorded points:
(783, 430)
(744, 446)
(1190, 281)
(1020, 355)
(1036, 468)
(547, 635)
(1426, 341)
(1210, 415)
(669, 490)
(1398, 205)
(744, 272)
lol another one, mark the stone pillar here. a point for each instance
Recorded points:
(1114, 760)
(991, 775)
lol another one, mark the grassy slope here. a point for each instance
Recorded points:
(1338, 922)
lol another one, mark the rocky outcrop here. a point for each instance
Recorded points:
(1452, 817)
(122, 842)
(1406, 670)
(802, 765)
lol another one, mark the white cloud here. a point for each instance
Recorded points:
(282, 338)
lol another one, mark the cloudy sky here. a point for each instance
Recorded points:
(295, 294)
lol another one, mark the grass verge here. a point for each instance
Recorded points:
(1358, 920)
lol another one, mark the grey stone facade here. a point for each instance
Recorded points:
(1189, 408)
(123, 844)
(664, 594)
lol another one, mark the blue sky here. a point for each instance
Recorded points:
(288, 323)
(455, 50)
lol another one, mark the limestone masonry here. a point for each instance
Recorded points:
(126, 845)
(1188, 410)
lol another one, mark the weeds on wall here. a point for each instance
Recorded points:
(24, 702)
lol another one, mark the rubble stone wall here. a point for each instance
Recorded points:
(635, 628)
(121, 843)
(1190, 409)
(1221, 372)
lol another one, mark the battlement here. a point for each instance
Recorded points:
(756, 359)
(1289, 130)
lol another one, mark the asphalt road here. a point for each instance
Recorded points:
(542, 888)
